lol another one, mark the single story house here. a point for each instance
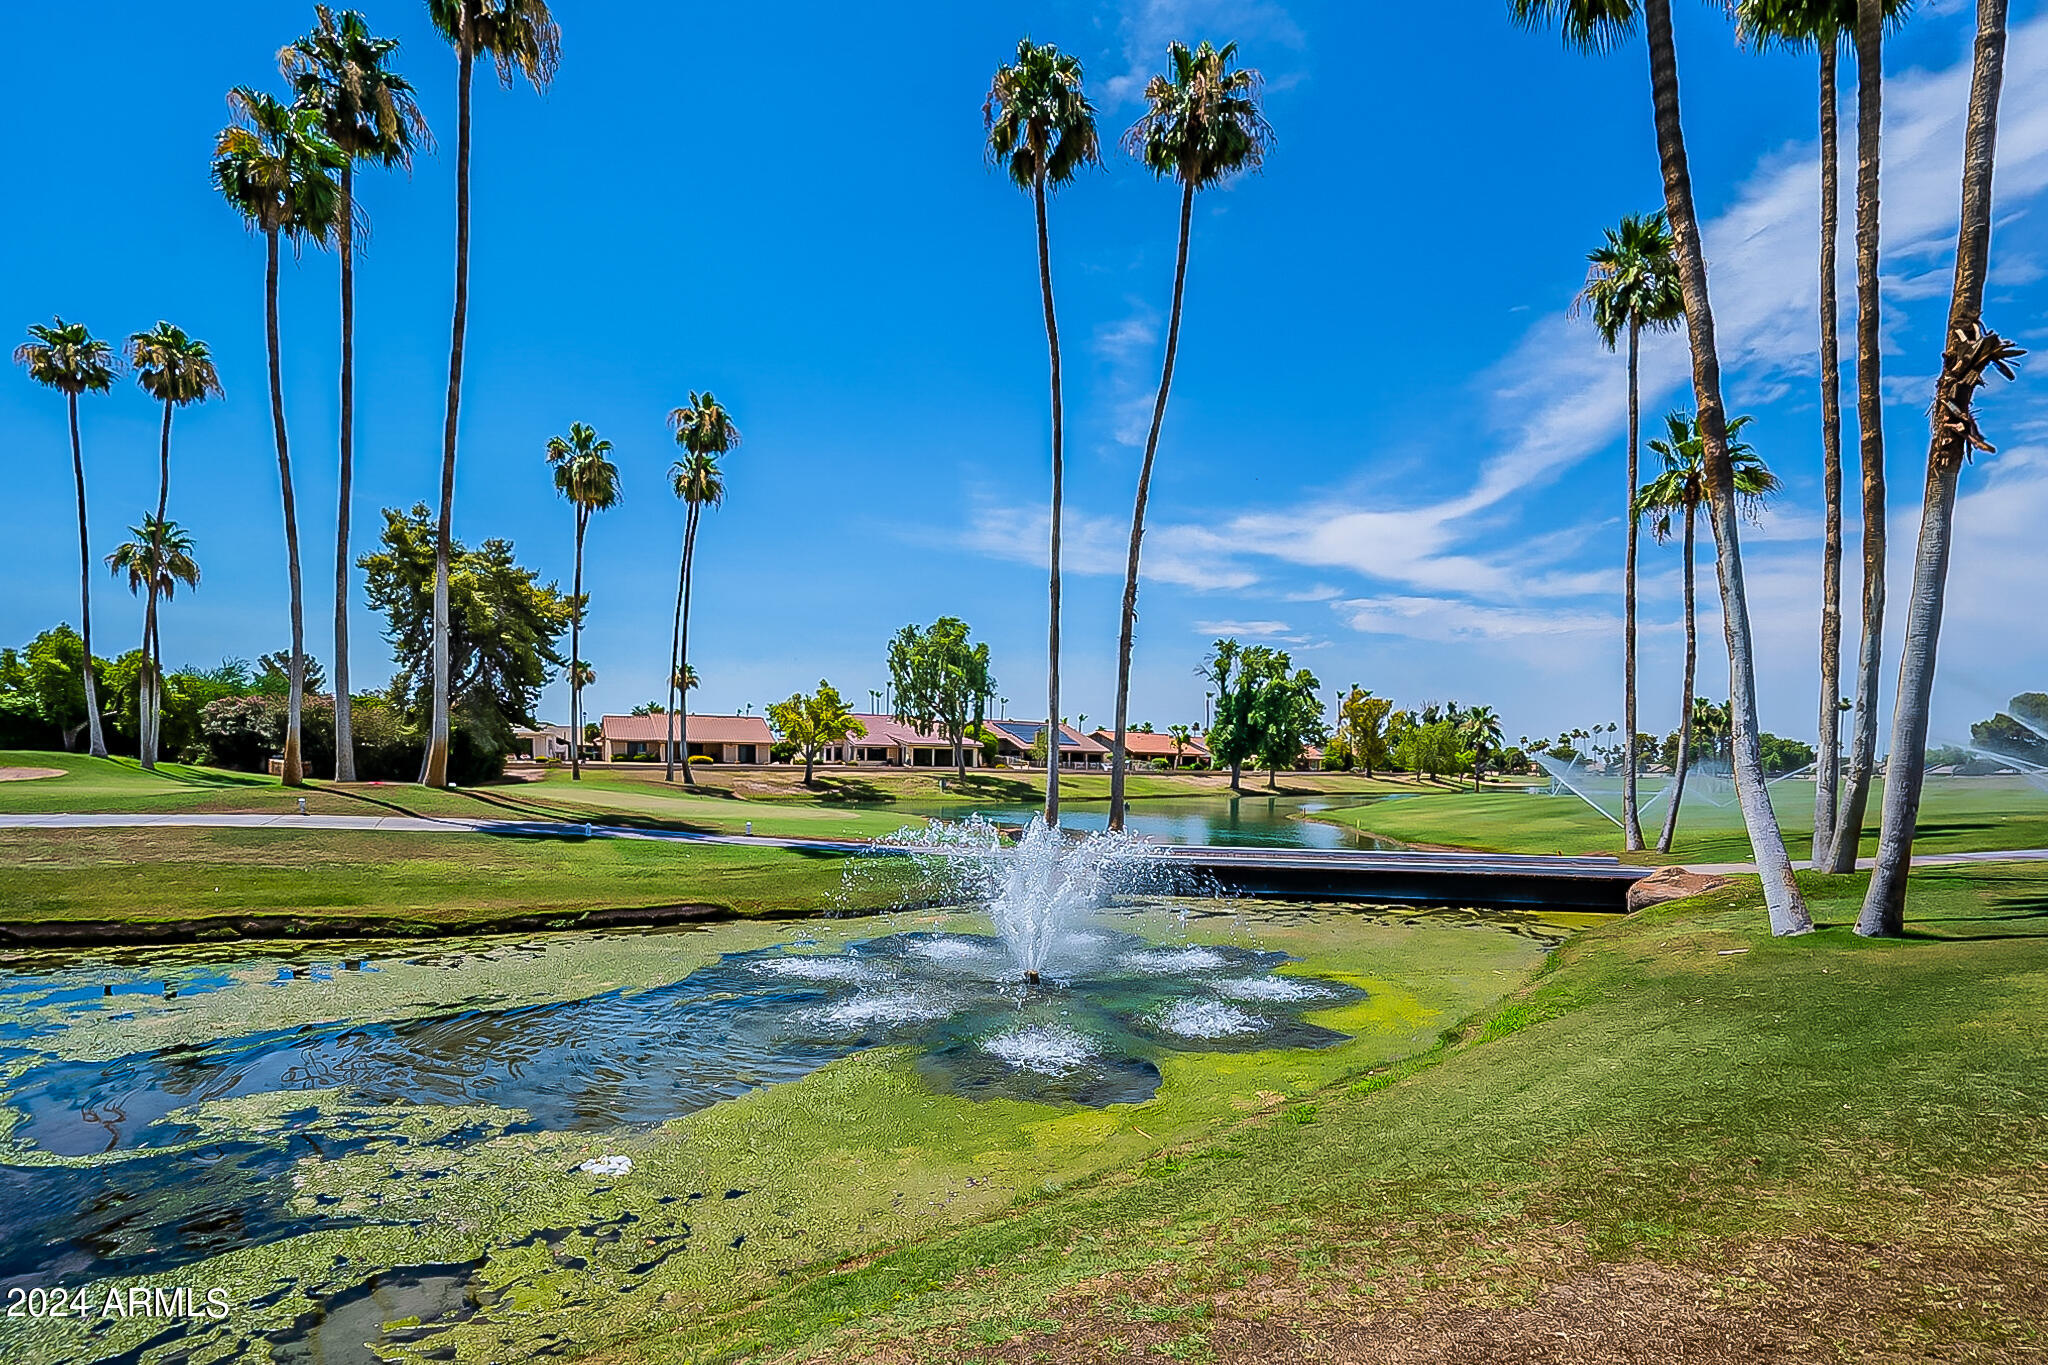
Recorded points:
(541, 743)
(1014, 739)
(898, 744)
(1143, 746)
(722, 739)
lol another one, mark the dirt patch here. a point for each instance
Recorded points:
(1815, 1298)
(28, 774)
(1672, 884)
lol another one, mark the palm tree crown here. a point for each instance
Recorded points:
(698, 480)
(1801, 24)
(1040, 125)
(1633, 279)
(366, 109)
(1590, 25)
(67, 357)
(1683, 482)
(517, 35)
(583, 473)
(273, 164)
(704, 427)
(172, 367)
(157, 559)
(1202, 122)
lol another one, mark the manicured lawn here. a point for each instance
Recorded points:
(446, 881)
(1958, 814)
(1682, 1140)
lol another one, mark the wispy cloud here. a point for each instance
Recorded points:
(1149, 25)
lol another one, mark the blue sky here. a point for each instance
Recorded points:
(1388, 447)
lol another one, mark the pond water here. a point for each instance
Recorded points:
(1254, 820)
(354, 1142)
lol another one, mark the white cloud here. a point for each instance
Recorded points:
(1149, 25)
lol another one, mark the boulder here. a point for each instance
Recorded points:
(1672, 884)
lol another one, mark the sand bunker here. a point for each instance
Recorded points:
(28, 774)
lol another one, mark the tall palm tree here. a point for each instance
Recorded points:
(66, 357)
(1972, 350)
(1631, 286)
(275, 166)
(1480, 730)
(705, 431)
(157, 559)
(175, 369)
(1597, 25)
(1855, 799)
(1678, 492)
(590, 481)
(1041, 128)
(518, 36)
(370, 112)
(1202, 125)
(1823, 25)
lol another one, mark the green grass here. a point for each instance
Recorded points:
(1957, 815)
(1676, 1089)
(445, 881)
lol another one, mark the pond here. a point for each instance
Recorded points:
(385, 1150)
(1252, 819)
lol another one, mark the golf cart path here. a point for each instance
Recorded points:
(556, 829)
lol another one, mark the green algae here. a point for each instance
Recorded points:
(721, 1206)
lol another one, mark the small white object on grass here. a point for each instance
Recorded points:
(608, 1165)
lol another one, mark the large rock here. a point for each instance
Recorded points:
(1672, 884)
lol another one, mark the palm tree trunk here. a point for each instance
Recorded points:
(1692, 654)
(154, 651)
(1870, 420)
(96, 742)
(1130, 609)
(1828, 766)
(149, 695)
(1631, 818)
(294, 765)
(1788, 914)
(576, 658)
(1884, 906)
(1052, 634)
(437, 742)
(675, 648)
(344, 729)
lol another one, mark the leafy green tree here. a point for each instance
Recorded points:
(176, 370)
(1631, 287)
(274, 165)
(1678, 492)
(1971, 353)
(1361, 727)
(1201, 126)
(814, 723)
(156, 561)
(1600, 26)
(66, 357)
(1041, 129)
(1242, 674)
(517, 36)
(372, 114)
(942, 681)
(706, 432)
(505, 630)
(45, 681)
(1288, 716)
(585, 475)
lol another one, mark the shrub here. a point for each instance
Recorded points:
(702, 758)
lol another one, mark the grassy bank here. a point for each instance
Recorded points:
(839, 804)
(1957, 815)
(1682, 1140)
(187, 882)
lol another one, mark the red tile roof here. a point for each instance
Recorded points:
(703, 729)
(889, 731)
(1022, 734)
(1143, 744)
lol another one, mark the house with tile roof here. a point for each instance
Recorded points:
(722, 739)
(1143, 746)
(893, 743)
(1014, 739)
